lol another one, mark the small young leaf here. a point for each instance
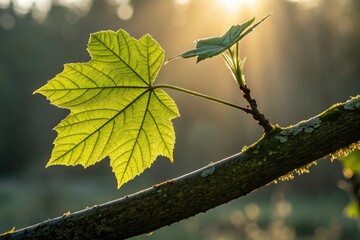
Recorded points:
(114, 110)
(210, 47)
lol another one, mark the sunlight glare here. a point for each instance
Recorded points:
(4, 3)
(233, 6)
(41, 8)
(124, 8)
(81, 7)
(22, 7)
(182, 2)
(125, 11)
(306, 3)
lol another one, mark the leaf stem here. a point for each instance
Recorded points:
(203, 96)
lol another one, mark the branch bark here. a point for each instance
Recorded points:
(277, 153)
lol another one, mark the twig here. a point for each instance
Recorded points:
(257, 115)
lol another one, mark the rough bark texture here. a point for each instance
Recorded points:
(276, 154)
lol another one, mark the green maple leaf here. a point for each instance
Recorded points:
(210, 47)
(114, 109)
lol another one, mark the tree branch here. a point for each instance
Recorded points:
(276, 154)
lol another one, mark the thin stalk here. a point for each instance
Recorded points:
(235, 64)
(228, 61)
(239, 75)
(203, 96)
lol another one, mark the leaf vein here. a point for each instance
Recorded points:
(98, 129)
(119, 57)
(137, 137)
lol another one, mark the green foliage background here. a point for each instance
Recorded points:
(299, 63)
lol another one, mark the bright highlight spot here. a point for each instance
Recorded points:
(230, 4)
(39, 9)
(4, 3)
(123, 8)
(125, 11)
(22, 7)
(182, 2)
(307, 3)
(234, 6)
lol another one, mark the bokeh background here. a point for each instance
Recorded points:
(302, 60)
